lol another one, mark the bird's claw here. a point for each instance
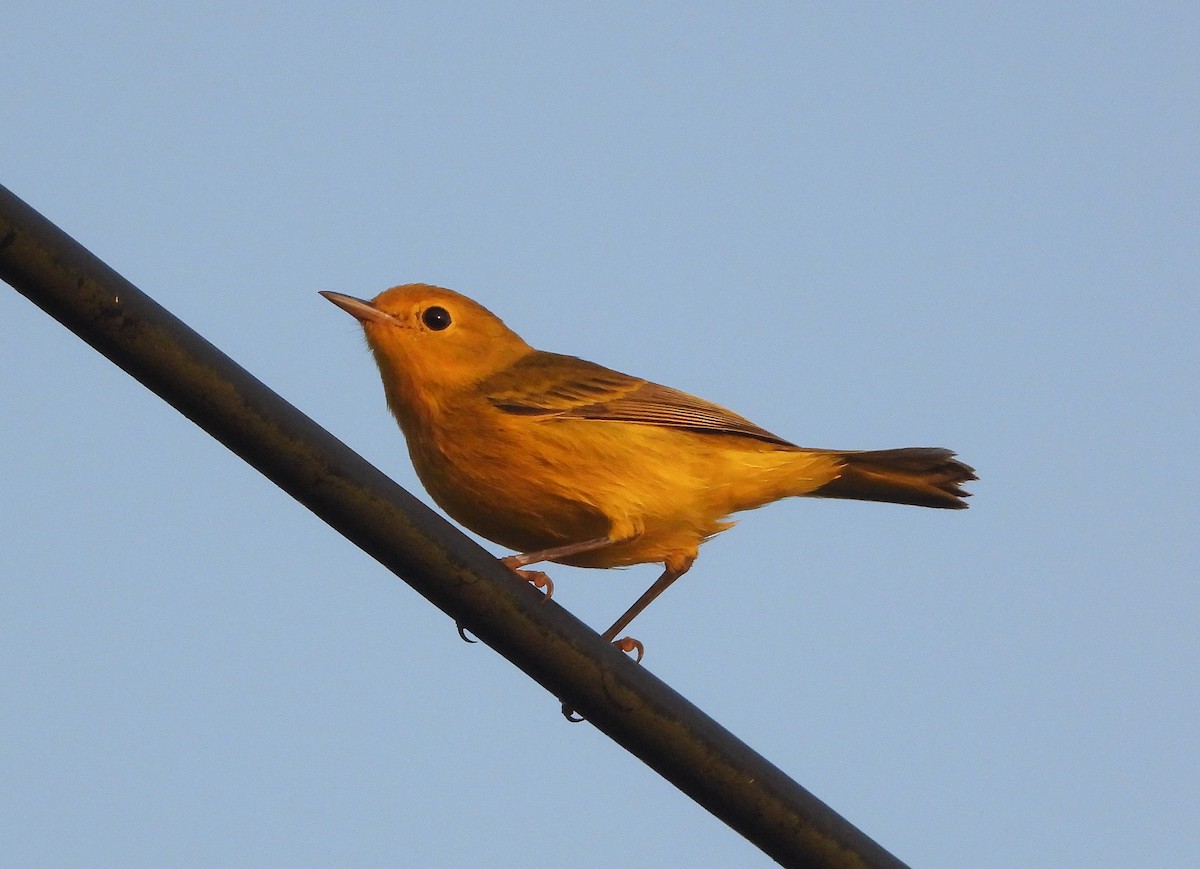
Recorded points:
(539, 580)
(571, 715)
(462, 632)
(628, 645)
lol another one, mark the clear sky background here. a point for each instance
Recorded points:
(859, 226)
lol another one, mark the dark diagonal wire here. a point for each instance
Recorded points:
(562, 654)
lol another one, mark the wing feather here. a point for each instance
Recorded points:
(563, 387)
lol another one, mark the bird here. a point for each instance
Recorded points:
(566, 461)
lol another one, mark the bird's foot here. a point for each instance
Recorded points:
(538, 580)
(630, 645)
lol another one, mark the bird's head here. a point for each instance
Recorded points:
(432, 339)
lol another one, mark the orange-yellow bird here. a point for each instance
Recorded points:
(567, 461)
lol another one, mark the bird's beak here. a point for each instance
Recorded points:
(358, 308)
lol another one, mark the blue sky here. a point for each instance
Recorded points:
(861, 227)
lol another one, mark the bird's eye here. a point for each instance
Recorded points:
(436, 318)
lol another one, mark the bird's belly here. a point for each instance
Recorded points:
(511, 510)
(657, 492)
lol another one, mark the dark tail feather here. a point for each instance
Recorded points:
(924, 476)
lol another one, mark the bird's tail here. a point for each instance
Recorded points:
(924, 476)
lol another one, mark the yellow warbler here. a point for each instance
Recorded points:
(567, 461)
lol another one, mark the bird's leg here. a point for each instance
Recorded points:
(537, 577)
(629, 644)
(555, 552)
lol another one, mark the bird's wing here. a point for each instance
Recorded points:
(563, 387)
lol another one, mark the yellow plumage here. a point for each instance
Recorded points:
(568, 461)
